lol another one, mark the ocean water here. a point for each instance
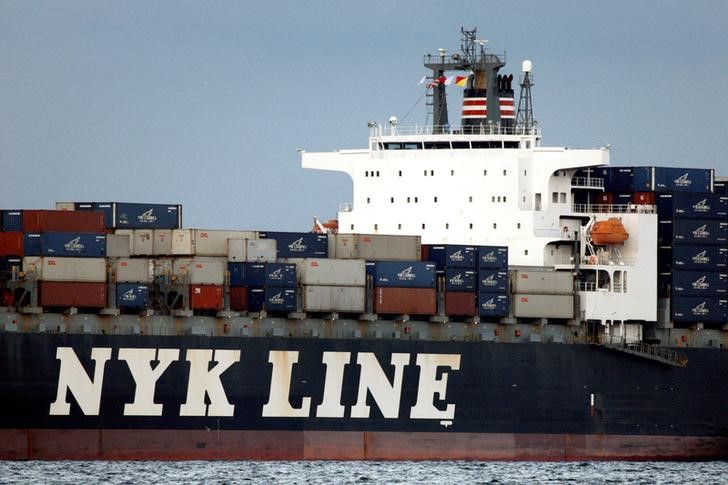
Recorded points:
(204, 472)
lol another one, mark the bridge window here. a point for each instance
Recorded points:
(461, 144)
(437, 145)
(412, 146)
(511, 144)
(486, 144)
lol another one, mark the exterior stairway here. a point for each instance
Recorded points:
(651, 352)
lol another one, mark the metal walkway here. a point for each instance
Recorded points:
(652, 352)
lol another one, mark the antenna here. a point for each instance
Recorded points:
(524, 118)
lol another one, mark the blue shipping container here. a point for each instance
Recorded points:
(492, 281)
(404, 274)
(256, 299)
(460, 279)
(697, 231)
(710, 258)
(668, 179)
(281, 275)
(12, 220)
(132, 295)
(699, 283)
(492, 305)
(691, 206)
(495, 257)
(126, 215)
(247, 274)
(7, 263)
(452, 256)
(690, 309)
(280, 299)
(65, 244)
(299, 244)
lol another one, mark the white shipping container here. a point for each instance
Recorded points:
(205, 242)
(237, 250)
(542, 282)
(200, 271)
(134, 270)
(143, 243)
(333, 298)
(118, 246)
(162, 245)
(91, 270)
(543, 306)
(334, 272)
(377, 247)
(183, 242)
(261, 250)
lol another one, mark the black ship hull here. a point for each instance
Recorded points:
(71, 396)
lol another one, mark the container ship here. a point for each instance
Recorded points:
(483, 297)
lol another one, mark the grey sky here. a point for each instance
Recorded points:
(205, 103)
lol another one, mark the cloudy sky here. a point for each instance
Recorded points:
(205, 103)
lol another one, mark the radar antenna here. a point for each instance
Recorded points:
(524, 118)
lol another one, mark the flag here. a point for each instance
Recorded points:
(461, 81)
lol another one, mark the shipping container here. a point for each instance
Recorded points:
(65, 206)
(239, 298)
(492, 281)
(200, 271)
(72, 294)
(261, 250)
(605, 198)
(644, 198)
(460, 303)
(404, 274)
(658, 179)
(206, 297)
(11, 244)
(256, 299)
(684, 256)
(493, 257)
(345, 299)
(492, 305)
(452, 256)
(247, 274)
(699, 283)
(12, 220)
(720, 186)
(375, 247)
(542, 282)
(136, 270)
(132, 296)
(280, 275)
(460, 279)
(299, 244)
(162, 245)
(692, 309)
(691, 206)
(280, 299)
(237, 250)
(124, 215)
(531, 305)
(63, 221)
(622, 198)
(334, 272)
(405, 301)
(118, 245)
(692, 231)
(64, 244)
(91, 270)
(9, 264)
(205, 242)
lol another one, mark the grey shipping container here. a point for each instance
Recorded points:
(90, 270)
(261, 250)
(201, 271)
(543, 306)
(162, 245)
(375, 247)
(348, 299)
(542, 282)
(334, 272)
(133, 270)
(118, 245)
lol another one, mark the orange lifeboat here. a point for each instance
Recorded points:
(608, 232)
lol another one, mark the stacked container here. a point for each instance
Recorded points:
(458, 265)
(332, 285)
(299, 244)
(404, 287)
(133, 278)
(492, 286)
(543, 294)
(205, 278)
(375, 247)
(126, 215)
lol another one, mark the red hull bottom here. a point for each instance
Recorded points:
(109, 444)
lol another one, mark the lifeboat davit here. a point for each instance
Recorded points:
(609, 232)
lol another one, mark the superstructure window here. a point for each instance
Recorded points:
(461, 144)
(400, 173)
(366, 174)
(415, 200)
(423, 225)
(470, 199)
(412, 146)
(495, 226)
(437, 145)
(447, 225)
(378, 173)
(391, 199)
(471, 225)
(505, 172)
(511, 144)
(368, 200)
(435, 199)
(432, 172)
(376, 226)
(352, 227)
(485, 144)
(399, 226)
(452, 172)
(408, 200)
(562, 197)
(554, 197)
(518, 226)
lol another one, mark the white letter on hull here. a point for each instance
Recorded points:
(374, 380)
(146, 378)
(205, 380)
(331, 406)
(429, 386)
(278, 405)
(72, 377)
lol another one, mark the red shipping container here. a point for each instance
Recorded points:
(11, 244)
(206, 297)
(239, 298)
(72, 294)
(410, 301)
(458, 303)
(605, 198)
(63, 221)
(644, 198)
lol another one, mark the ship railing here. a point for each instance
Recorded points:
(595, 261)
(346, 207)
(613, 208)
(377, 130)
(587, 182)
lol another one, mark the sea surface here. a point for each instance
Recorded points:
(203, 472)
